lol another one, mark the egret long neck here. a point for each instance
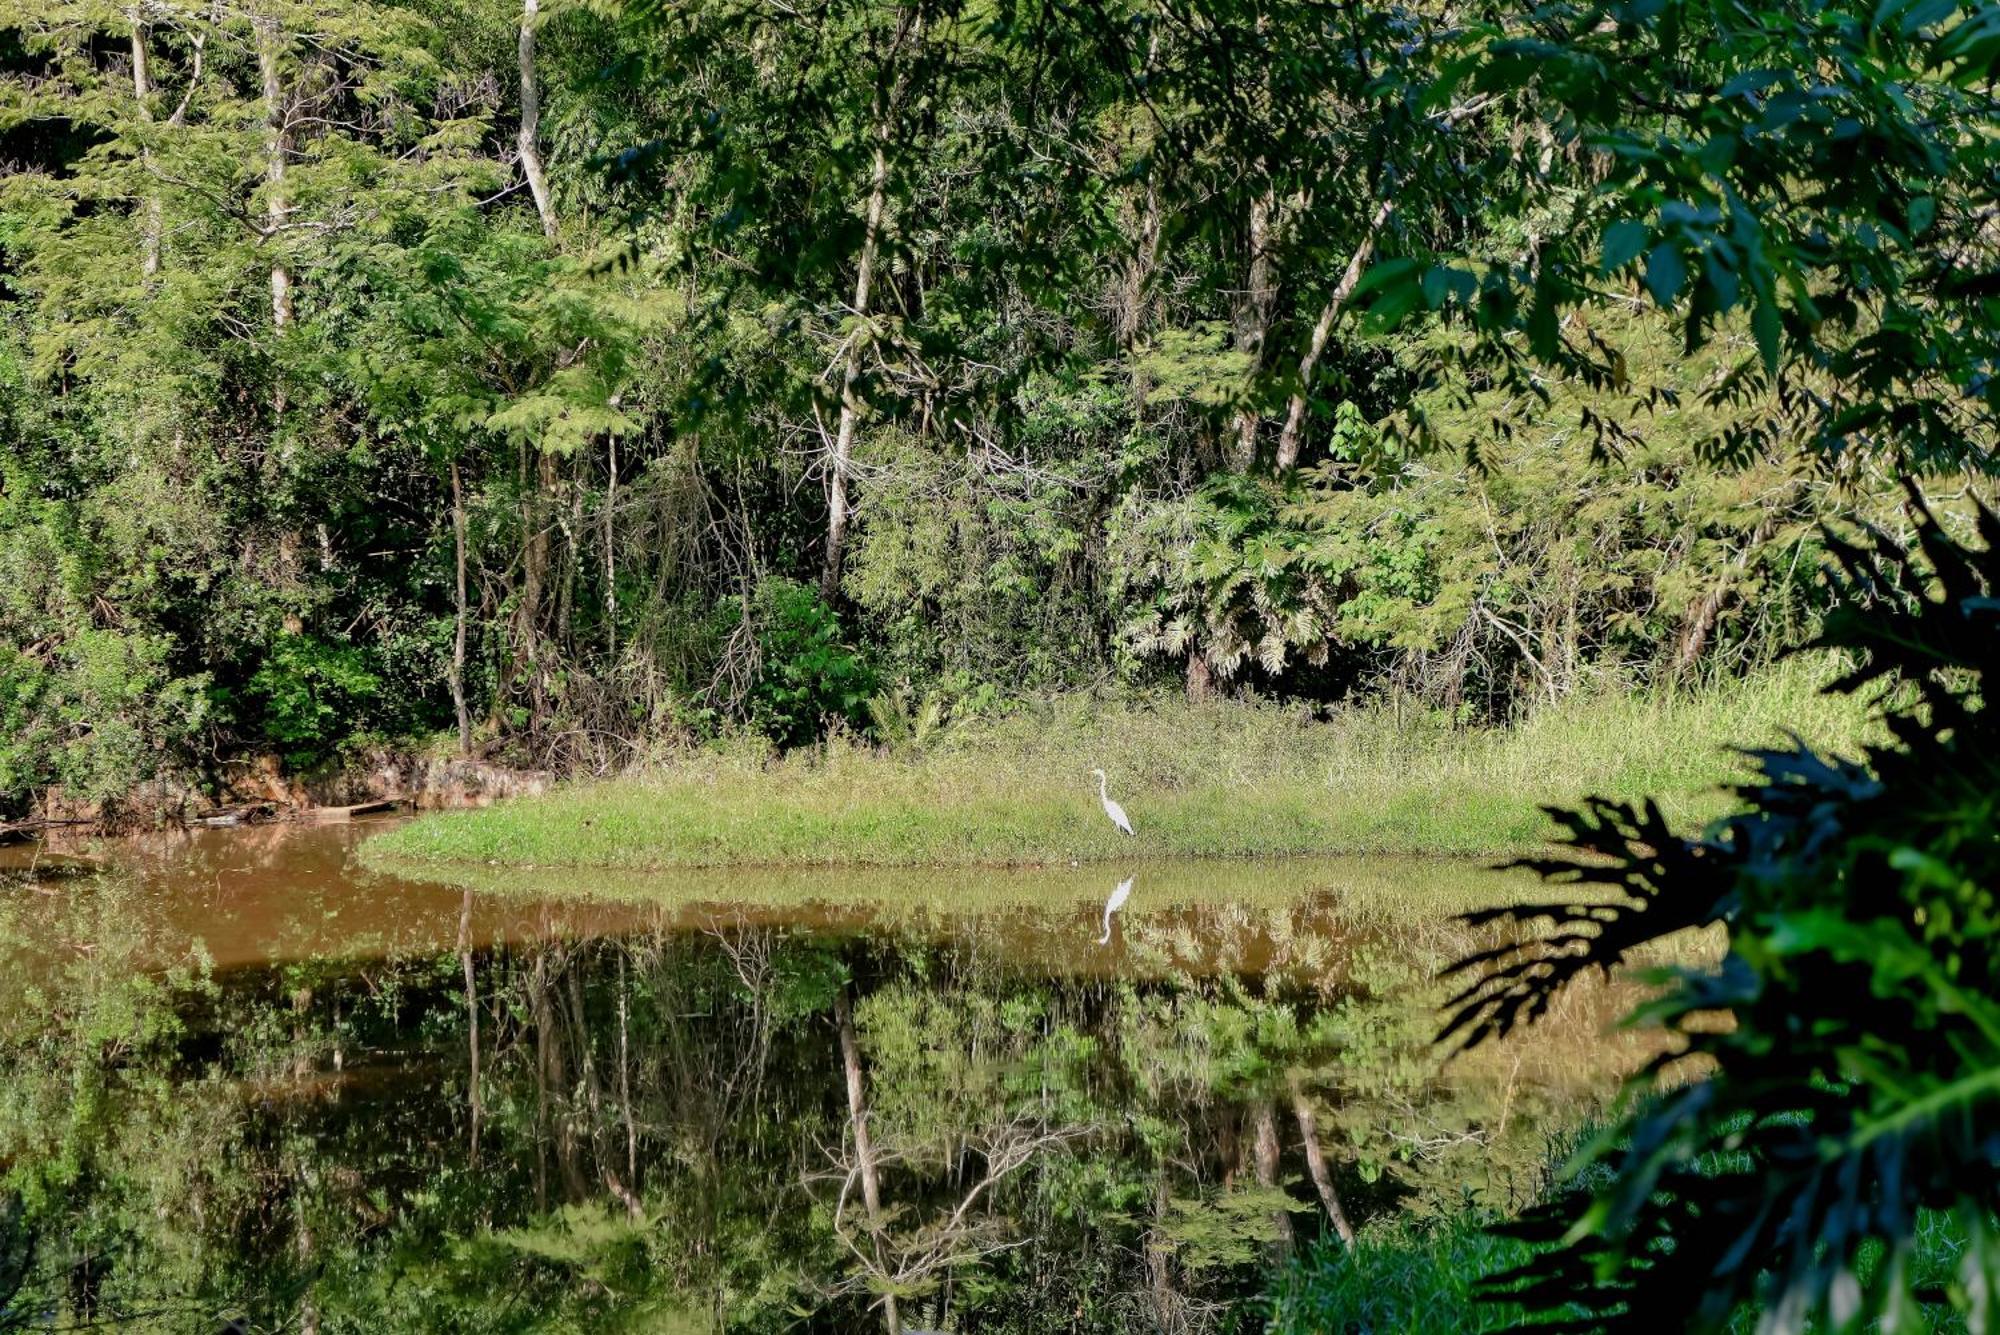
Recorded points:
(1102, 796)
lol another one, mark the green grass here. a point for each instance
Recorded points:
(1365, 893)
(1217, 780)
(1401, 1277)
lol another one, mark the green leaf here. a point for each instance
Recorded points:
(1923, 212)
(1665, 273)
(1621, 243)
(1764, 323)
(1385, 274)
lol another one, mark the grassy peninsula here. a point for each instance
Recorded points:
(1215, 780)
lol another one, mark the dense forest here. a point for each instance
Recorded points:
(555, 386)
(560, 386)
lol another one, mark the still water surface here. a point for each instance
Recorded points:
(247, 1080)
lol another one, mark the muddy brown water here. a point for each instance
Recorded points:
(250, 1079)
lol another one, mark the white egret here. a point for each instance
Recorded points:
(1111, 808)
(1112, 905)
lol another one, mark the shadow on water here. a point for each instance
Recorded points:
(247, 1080)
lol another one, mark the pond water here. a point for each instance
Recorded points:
(245, 1080)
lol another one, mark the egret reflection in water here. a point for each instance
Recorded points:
(383, 1094)
(1113, 904)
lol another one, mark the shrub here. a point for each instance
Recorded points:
(808, 677)
(1857, 1088)
(310, 696)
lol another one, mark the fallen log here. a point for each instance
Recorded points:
(330, 815)
(246, 813)
(12, 831)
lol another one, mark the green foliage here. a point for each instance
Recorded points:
(901, 723)
(1805, 181)
(1101, 433)
(308, 694)
(1233, 581)
(808, 677)
(1229, 1229)
(1399, 1276)
(1852, 1090)
(969, 575)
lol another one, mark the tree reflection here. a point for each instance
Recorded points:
(745, 1126)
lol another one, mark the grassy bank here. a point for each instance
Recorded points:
(1213, 780)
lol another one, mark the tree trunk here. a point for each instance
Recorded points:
(1139, 269)
(850, 385)
(471, 1024)
(1200, 680)
(1357, 264)
(538, 1016)
(276, 144)
(303, 1249)
(625, 1074)
(611, 554)
(1159, 1259)
(1267, 1170)
(1696, 628)
(1253, 321)
(572, 549)
(1322, 1176)
(580, 1043)
(864, 1150)
(1701, 619)
(142, 92)
(1131, 315)
(531, 121)
(538, 482)
(459, 616)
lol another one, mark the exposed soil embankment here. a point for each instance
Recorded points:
(258, 789)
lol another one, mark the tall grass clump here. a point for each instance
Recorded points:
(1402, 1277)
(1225, 778)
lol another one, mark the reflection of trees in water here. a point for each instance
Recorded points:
(737, 1123)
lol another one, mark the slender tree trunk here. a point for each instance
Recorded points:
(276, 145)
(1200, 680)
(531, 122)
(594, 1094)
(1295, 412)
(1696, 628)
(850, 384)
(1139, 268)
(625, 1074)
(572, 549)
(537, 482)
(142, 93)
(538, 1016)
(611, 554)
(568, 1071)
(472, 1106)
(1267, 1169)
(1701, 619)
(142, 84)
(1133, 301)
(1322, 1175)
(303, 1248)
(1253, 321)
(459, 616)
(864, 1151)
(1159, 1258)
